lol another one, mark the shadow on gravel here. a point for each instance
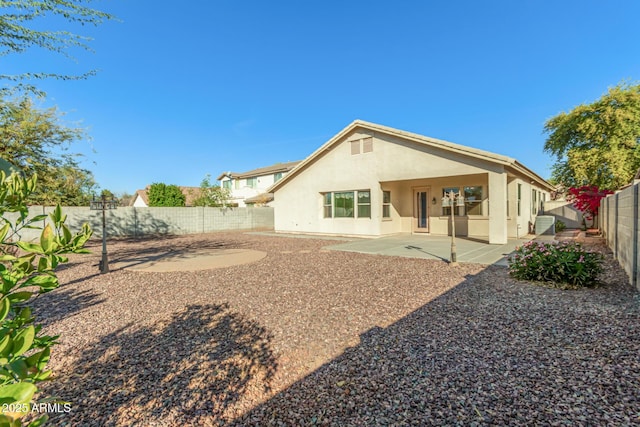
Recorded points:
(62, 303)
(176, 372)
(488, 352)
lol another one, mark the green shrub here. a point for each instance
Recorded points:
(560, 225)
(563, 264)
(27, 269)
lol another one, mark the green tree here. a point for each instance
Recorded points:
(165, 195)
(211, 194)
(598, 143)
(23, 27)
(35, 142)
(27, 269)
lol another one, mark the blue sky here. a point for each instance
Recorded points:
(209, 86)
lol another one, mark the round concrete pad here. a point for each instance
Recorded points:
(191, 260)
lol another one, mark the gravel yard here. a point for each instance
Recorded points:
(307, 336)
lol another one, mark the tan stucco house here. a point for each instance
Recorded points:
(371, 180)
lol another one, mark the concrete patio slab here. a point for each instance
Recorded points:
(188, 260)
(434, 247)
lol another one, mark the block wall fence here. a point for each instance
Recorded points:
(143, 222)
(618, 219)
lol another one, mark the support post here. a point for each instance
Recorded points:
(104, 264)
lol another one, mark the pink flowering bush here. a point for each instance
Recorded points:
(561, 263)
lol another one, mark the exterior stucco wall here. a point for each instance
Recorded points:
(564, 211)
(394, 164)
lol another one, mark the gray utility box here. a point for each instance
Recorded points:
(546, 224)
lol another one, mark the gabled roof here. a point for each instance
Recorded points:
(143, 195)
(414, 137)
(267, 170)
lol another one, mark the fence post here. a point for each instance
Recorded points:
(634, 261)
(609, 237)
(615, 228)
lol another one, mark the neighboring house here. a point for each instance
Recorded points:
(141, 198)
(373, 180)
(251, 187)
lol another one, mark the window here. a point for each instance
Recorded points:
(367, 145)
(237, 181)
(507, 202)
(386, 204)
(519, 198)
(277, 176)
(446, 203)
(364, 145)
(252, 182)
(534, 203)
(355, 147)
(364, 204)
(226, 184)
(347, 204)
(473, 200)
(327, 205)
(343, 204)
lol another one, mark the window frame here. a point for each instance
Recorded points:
(363, 205)
(327, 208)
(470, 205)
(330, 200)
(386, 204)
(446, 210)
(367, 145)
(344, 197)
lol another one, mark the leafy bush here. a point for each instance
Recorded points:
(166, 195)
(26, 270)
(560, 225)
(564, 264)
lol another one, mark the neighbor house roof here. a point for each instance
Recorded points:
(260, 198)
(143, 195)
(414, 137)
(267, 170)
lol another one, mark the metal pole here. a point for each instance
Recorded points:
(104, 264)
(454, 260)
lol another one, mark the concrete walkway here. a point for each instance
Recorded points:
(435, 247)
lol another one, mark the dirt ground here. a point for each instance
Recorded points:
(307, 336)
